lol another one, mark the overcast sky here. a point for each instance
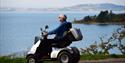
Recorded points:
(53, 3)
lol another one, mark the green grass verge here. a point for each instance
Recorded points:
(99, 56)
(14, 60)
(6, 59)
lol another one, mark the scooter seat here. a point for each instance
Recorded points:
(60, 45)
(55, 45)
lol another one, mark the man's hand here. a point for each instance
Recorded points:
(45, 33)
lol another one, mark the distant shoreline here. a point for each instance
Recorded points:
(104, 17)
(97, 23)
(57, 12)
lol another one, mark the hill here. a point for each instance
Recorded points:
(80, 7)
(94, 7)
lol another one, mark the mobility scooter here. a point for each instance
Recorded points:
(61, 55)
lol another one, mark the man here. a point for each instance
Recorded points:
(63, 28)
(61, 39)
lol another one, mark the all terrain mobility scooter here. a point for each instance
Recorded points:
(60, 54)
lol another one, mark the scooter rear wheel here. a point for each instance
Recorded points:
(76, 55)
(64, 57)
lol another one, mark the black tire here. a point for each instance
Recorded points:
(31, 59)
(64, 57)
(76, 55)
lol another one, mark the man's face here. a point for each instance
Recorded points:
(61, 19)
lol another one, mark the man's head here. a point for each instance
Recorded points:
(62, 17)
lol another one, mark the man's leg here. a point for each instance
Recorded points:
(64, 42)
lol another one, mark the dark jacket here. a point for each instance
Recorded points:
(60, 31)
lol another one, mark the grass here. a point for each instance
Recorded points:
(99, 56)
(92, 57)
(6, 59)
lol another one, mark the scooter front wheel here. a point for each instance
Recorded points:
(32, 59)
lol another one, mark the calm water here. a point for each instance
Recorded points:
(17, 30)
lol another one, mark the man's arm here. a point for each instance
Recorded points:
(55, 30)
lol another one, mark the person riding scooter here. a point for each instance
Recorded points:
(60, 39)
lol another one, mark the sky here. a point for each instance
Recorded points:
(53, 3)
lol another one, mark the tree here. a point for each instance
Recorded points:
(116, 40)
(87, 18)
(119, 36)
(103, 16)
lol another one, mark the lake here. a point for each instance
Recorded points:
(17, 30)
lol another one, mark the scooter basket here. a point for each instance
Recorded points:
(75, 34)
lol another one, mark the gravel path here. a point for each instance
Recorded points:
(112, 60)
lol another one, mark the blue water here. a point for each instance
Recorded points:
(17, 30)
